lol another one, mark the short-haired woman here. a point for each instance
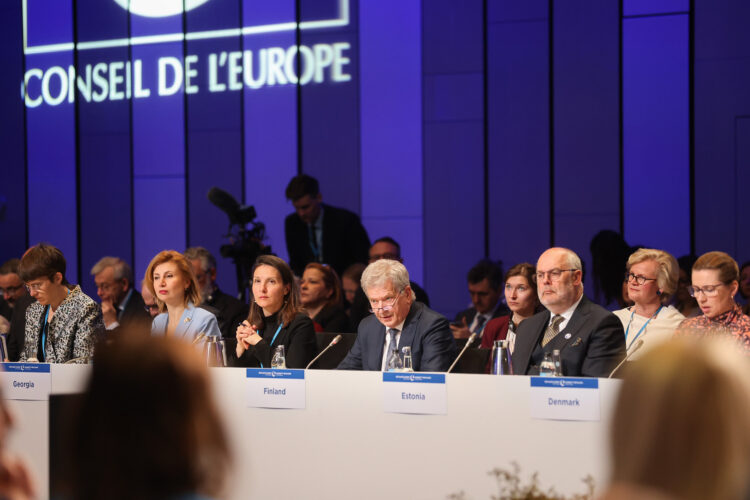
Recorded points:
(64, 323)
(275, 319)
(320, 296)
(170, 280)
(652, 280)
(715, 282)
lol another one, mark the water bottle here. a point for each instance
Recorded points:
(557, 360)
(501, 361)
(406, 355)
(547, 367)
(395, 364)
(214, 351)
(279, 358)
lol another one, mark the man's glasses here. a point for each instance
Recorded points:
(554, 274)
(10, 290)
(639, 280)
(708, 290)
(387, 304)
(151, 307)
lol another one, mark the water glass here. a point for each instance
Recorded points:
(547, 366)
(279, 358)
(406, 355)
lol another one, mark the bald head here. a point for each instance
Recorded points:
(558, 273)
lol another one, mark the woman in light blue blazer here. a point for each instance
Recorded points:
(170, 279)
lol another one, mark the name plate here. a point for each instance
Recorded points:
(275, 388)
(26, 381)
(565, 398)
(420, 393)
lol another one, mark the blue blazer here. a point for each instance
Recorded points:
(432, 346)
(193, 321)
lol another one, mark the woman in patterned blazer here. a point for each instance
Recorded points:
(64, 323)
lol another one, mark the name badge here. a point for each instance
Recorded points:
(26, 381)
(564, 398)
(275, 388)
(421, 393)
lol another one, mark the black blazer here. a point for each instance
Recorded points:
(345, 240)
(594, 345)
(298, 339)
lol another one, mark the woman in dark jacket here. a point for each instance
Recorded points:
(320, 294)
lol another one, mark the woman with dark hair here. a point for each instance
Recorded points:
(148, 426)
(522, 300)
(275, 318)
(171, 281)
(320, 296)
(715, 283)
(64, 323)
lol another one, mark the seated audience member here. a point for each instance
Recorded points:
(398, 320)
(684, 302)
(350, 282)
(652, 279)
(171, 280)
(590, 338)
(680, 425)
(121, 302)
(317, 232)
(523, 301)
(745, 286)
(276, 319)
(148, 426)
(64, 323)
(149, 302)
(715, 283)
(320, 297)
(485, 280)
(17, 298)
(230, 310)
(16, 481)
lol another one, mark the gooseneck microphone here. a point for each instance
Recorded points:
(637, 346)
(333, 343)
(471, 339)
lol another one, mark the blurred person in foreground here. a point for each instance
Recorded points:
(715, 281)
(680, 428)
(172, 282)
(64, 323)
(16, 481)
(320, 296)
(275, 319)
(652, 279)
(148, 426)
(522, 300)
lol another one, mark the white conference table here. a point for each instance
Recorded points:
(344, 446)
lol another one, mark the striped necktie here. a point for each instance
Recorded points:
(552, 330)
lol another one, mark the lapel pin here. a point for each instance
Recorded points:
(187, 320)
(567, 336)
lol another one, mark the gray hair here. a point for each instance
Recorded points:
(384, 271)
(199, 253)
(572, 259)
(121, 268)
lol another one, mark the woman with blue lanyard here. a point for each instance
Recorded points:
(64, 323)
(652, 277)
(275, 319)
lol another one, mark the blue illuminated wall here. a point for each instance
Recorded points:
(463, 129)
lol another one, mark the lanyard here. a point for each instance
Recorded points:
(642, 328)
(45, 327)
(281, 325)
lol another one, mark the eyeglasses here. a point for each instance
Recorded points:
(640, 280)
(34, 287)
(387, 304)
(10, 290)
(151, 307)
(554, 274)
(708, 290)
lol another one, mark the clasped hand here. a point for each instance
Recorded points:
(246, 336)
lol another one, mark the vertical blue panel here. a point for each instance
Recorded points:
(586, 122)
(741, 250)
(512, 10)
(453, 149)
(646, 7)
(656, 132)
(391, 125)
(12, 167)
(518, 109)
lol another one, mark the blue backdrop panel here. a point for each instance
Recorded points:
(656, 169)
(12, 139)
(391, 126)
(741, 251)
(586, 121)
(518, 116)
(512, 10)
(646, 7)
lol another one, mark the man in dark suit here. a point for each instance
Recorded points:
(590, 338)
(398, 321)
(16, 299)
(121, 302)
(485, 287)
(321, 233)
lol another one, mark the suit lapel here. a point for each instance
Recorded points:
(410, 326)
(574, 325)
(532, 342)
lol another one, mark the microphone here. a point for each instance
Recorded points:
(333, 343)
(637, 346)
(471, 339)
